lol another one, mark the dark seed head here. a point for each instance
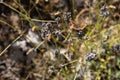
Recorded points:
(104, 11)
(57, 20)
(116, 48)
(80, 33)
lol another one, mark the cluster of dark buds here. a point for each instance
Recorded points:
(67, 16)
(90, 56)
(46, 30)
(116, 48)
(58, 35)
(104, 11)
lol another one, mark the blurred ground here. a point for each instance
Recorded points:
(55, 47)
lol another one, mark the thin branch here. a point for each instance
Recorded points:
(37, 20)
(4, 22)
(11, 43)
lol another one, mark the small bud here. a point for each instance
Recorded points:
(57, 20)
(80, 33)
(90, 56)
(116, 48)
(51, 69)
(104, 11)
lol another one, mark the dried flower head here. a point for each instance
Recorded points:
(104, 11)
(67, 16)
(46, 30)
(116, 48)
(80, 33)
(90, 56)
(57, 20)
(58, 35)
